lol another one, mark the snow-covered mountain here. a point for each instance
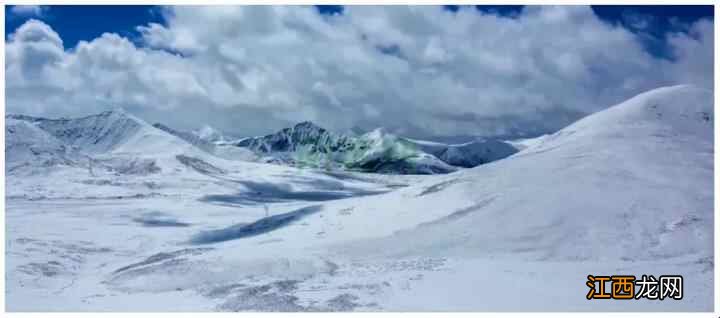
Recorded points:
(192, 138)
(295, 138)
(110, 132)
(28, 146)
(212, 142)
(307, 144)
(523, 143)
(631, 182)
(93, 134)
(117, 133)
(112, 141)
(469, 154)
(375, 151)
(627, 190)
(81, 143)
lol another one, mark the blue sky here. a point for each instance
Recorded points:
(80, 22)
(425, 71)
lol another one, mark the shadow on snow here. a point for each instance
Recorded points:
(262, 192)
(261, 226)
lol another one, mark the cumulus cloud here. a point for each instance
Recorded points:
(420, 70)
(28, 10)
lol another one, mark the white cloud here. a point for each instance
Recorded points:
(28, 10)
(34, 53)
(421, 69)
(637, 21)
(694, 53)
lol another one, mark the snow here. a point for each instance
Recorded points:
(28, 145)
(627, 190)
(525, 143)
(469, 154)
(93, 134)
(387, 153)
(210, 141)
(308, 145)
(552, 201)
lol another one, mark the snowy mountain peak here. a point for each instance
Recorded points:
(307, 125)
(115, 110)
(95, 133)
(290, 139)
(661, 112)
(376, 151)
(29, 146)
(661, 105)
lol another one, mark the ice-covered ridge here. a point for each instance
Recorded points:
(111, 132)
(28, 145)
(93, 134)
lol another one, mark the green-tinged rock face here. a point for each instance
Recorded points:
(307, 145)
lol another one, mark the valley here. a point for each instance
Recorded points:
(110, 213)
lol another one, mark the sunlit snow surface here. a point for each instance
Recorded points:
(145, 221)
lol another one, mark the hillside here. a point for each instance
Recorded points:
(627, 190)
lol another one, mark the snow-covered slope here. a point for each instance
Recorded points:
(190, 137)
(524, 143)
(632, 182)
(93, 134)
(83, 155)
(27, 146)
(469, 154)
(309, 145)
(628, 190)
(113, 141)
(212, 142)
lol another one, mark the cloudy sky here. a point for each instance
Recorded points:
(421, 71)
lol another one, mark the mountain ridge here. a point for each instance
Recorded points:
(307, 139)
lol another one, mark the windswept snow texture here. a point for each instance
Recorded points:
(108, 213)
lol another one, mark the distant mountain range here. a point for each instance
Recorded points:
(309, 144)
(305, 145)
(136, 211)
